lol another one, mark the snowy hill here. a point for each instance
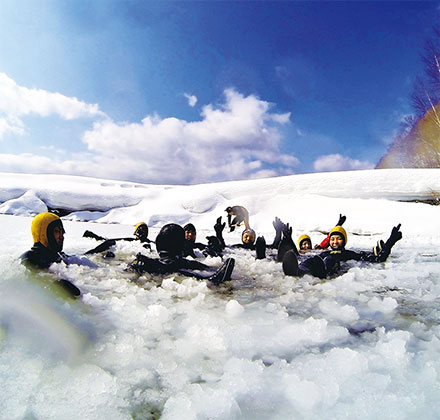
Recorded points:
(307, 200)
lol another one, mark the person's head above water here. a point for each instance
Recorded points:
(47, 229)
(337, 237)
(141, 231)
(304, 243)
(171, 239)
(248, 236)
(190, 232)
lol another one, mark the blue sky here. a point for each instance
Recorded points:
(189, 92)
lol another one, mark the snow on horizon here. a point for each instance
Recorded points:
(263, 346)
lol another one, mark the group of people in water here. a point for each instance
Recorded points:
(174, 244)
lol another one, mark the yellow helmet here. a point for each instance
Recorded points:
(340, 231)
(141, 229)
(302, 238)
(40, 225)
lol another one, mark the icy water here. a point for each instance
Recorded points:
(364, 345)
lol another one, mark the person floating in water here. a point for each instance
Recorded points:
(249, 238)
(140, 234)
(213, 248)
(283, 241)
(329, 263)
(48, 234)
(170, 243)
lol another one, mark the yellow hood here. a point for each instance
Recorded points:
(39, 226)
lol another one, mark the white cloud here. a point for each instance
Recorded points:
(237, 140)
(337, 162)
(192, 100)
(13, 126)
(17, 101)
(223, 145)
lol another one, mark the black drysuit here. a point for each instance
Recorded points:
(328, 263)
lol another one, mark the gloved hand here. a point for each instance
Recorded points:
(139, 264)
(395, 236)
(384, 250)
(214, 248)
(341, 220)
(287, 231)
(219, 226)
(278, 225)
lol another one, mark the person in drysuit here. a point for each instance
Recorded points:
(212, 248)
(249, 238)
(48, 234)
(140, 234)
(283, 241)
(170, 243)
(236, 216)
(330, 263)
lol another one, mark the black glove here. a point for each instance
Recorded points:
(287, 232)
(214, 248)
(385, 250)
(395, 236)
(90, 234)
(341, 220)
(278, 225)
(219, 226)
(139, 264)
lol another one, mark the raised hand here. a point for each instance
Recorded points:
(396, 235)
(219, 226)
(278, 225)
(287, 231)
(341, 220)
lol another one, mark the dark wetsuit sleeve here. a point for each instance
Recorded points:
(193, 265)
(360, 256)
(276, 240)
(101, 247)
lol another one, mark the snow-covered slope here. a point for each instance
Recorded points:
(307, 201)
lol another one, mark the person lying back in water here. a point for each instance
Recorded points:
(213, 248)
(329, 263)
(48, 234)
(283, 241)
(170, 244)
(140, 234)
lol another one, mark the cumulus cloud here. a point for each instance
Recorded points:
(236, 140)
(192, 100)
(337, 162)
(239, 139)
(17, 101)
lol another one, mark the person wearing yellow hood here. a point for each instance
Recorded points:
(328, 263)
(48, 235)
(140, 234)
